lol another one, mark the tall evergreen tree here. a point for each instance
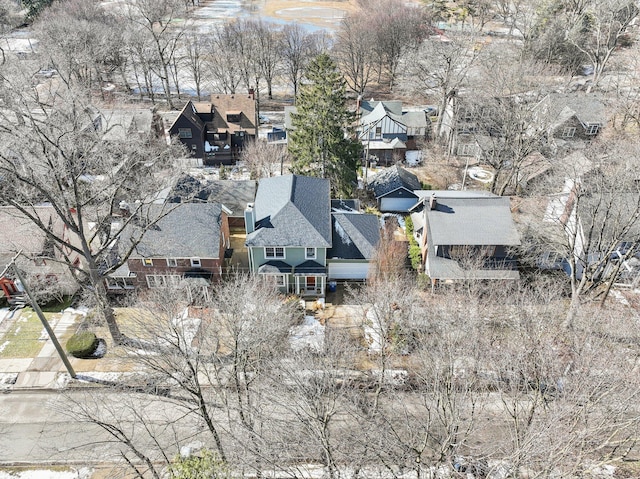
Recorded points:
(322, 143)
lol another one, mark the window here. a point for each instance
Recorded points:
(274, 252)
(467, 149)
(147, 262)
(378, 131)
(162, 280)
(172, 262)
(196, 263)
(592, 129)
(568, 132)
(185, 133)
(310, 253)
(120, 283)
(280, 281)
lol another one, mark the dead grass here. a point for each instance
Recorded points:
(23, 339)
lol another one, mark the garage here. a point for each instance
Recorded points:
(357, 271)
(397, 204)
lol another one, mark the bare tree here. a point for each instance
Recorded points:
(297, 48)
(354, 51)
(598, 30)
(264, 160)
(195, 49)
(81, 41)
(268, 54)
(398, 29)
(157, 20)
(223, 65)
(53, 151)
(442, 68)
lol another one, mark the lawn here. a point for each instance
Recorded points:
(23, 339)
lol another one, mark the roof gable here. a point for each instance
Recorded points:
(190, 114)
(292, 210)
(393, 178)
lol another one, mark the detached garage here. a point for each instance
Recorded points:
(398, 201)
(394, 190)
(347, 270)
(354, 239)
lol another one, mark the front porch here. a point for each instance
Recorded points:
(308, 279)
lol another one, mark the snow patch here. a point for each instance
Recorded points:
(82, 473)
(308, 335)
(346, 239)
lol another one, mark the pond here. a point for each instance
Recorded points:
(313, 15)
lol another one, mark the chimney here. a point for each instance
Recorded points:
(252, 93)
(249, 218)
(124, 209)
(433, 204)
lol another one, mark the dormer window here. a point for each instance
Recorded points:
(234, 116)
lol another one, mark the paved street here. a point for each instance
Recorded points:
(36, 429)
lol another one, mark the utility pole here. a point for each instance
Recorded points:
(43, 320)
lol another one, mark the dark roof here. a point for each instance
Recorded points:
(345, 206)
(393, 178)
(275, 267)
(233, 194)
(189, 112)
(392, 106)
(472, 221)
(292, 210)
(310, 267)
(189, 230)
(355, 236)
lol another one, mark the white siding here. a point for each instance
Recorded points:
(348, 270)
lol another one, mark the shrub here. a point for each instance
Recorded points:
(82, 345)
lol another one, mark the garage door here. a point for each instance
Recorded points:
(397, 204)
(348, 270)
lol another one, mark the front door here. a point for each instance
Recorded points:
(311, 283)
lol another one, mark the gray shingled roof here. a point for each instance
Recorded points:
(393, 178)
(233, 194)
(472, 221)
(588, 108)
(355, 236)
(189, 230)
(292, 210)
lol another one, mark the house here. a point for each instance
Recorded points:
(187, 242)
(289, 231)
(571, 117)
(299, 238)
(387, 132)
(40, 259)
(217, 131)
(233, 194)
(394, 189)
(466, 235)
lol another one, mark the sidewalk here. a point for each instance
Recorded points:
(42, 372)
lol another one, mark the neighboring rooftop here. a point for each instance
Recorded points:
(393, 178)
(188, 230)
(472, 221)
